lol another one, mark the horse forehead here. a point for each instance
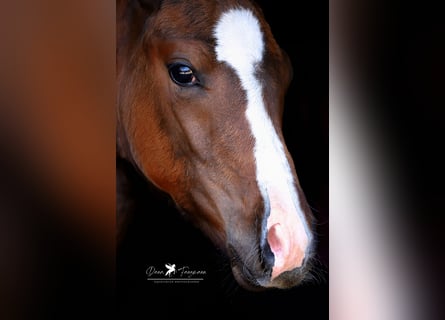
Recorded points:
(239, 39)
(197, 19)
(186, 20)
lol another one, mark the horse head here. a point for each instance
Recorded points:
(201, 89)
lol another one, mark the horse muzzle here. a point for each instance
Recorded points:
(255, 269)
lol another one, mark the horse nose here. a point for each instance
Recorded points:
(285, 253)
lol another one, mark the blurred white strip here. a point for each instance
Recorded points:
(370, 275)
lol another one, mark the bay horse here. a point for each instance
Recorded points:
(201, 88)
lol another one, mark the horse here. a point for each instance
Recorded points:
(201, 87)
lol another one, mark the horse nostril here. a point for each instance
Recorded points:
(275, 238)
(288, 251)
(268, 257)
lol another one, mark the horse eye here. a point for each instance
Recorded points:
(182, 75)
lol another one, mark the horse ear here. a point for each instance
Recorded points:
(150, 5)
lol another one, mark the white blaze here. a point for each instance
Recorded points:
(239, 43)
